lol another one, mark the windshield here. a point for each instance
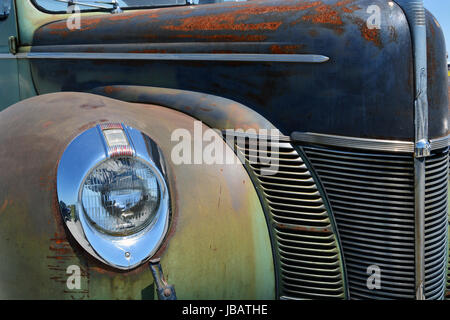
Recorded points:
(58, 6)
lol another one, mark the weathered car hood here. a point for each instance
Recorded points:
(365, 89)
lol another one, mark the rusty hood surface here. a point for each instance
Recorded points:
(367, 83)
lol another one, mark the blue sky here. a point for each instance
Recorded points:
(441, 10)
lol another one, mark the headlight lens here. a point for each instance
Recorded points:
(121, 196)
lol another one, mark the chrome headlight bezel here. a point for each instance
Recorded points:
(85, 153)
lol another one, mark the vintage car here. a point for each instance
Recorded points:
(100, 100)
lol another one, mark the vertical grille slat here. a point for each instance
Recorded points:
(372, 198)
(310, 260)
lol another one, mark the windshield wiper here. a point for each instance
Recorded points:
(115, 5)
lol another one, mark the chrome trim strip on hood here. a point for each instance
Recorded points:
(243, 57)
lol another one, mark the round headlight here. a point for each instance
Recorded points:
(121, 196)
(113, 194)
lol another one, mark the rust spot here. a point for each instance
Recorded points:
(47, 124)
(90, 24)
(234, 20)
(347, 10)
(344, 3)
(284, 49)
(325, 15)
(63, 251)
(4, 205)
(220, 37)
(61, 257)
(329, 15)
(372, 35)
(350, 9)
(86, 106)
(258, 10)
(221, 22)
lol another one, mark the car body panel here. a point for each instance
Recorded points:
(214, 249)
(363, 101)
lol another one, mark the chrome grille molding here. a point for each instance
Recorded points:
(372, 198)
(309, 257)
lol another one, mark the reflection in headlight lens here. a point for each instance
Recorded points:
(121, 196)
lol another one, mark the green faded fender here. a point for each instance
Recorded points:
(218, 245)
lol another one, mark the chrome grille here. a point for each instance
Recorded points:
(372, 198)
(436, 224)
(447, 294)
(309, 257)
